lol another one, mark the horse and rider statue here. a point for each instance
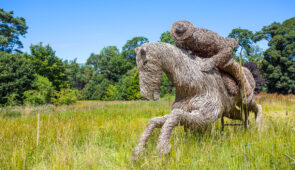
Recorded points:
(209, 83)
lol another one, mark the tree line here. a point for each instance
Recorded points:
(41, 77)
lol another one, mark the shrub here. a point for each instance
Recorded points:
(66, 96)
(133, 89)
(12, 100)
(42, 93)
(112, 93)
(34, 97)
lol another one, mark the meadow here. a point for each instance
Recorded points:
(102, 135)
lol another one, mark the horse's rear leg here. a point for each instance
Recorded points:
(156, 122)
(258, 116)
(257, 109)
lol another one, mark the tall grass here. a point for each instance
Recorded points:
(102, 135)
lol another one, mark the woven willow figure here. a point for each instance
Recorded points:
(205, 43)
(201, 96)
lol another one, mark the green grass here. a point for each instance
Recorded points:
(102, 135)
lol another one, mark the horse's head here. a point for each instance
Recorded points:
(150, 71)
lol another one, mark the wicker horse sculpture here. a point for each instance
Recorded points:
(201, 96)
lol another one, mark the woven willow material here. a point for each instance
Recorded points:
(201, 96)
(205, 43)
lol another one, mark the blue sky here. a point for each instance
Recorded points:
(75, 29)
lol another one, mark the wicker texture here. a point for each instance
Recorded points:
(208, 44)
(201, 97)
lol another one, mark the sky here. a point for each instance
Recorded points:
(77, 28)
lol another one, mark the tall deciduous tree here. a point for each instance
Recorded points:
(247, 49)
(245, 39)
(128, 50)
(110, 63)
(16, 76)
(11, 28)
(48, 65)
(77, 74)
(93, 61)
(278, 66)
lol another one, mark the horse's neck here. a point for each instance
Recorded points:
(183, 72)
(191, 83)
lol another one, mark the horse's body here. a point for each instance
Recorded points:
(201, 96)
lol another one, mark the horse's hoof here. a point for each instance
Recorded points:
(164, 148)
(135, 158)
(136, 153)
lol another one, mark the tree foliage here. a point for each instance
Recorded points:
(166, 38)
(91, 86)
(11, 28)
(77, 74)
(48, 65)
(278, 66)
(128, 50)
(42, 77)
(110, 63)
(101, 89)
(112, 93)
(16, 76)
(65, 96)
(247, 49)
(128, 86)
(41, 93)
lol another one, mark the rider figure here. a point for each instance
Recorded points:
(205, 43)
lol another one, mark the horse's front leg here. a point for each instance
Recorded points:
(156, 122)
(173, 120)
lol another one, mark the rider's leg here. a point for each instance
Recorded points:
(225, 62)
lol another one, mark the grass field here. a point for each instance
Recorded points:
(102, 135)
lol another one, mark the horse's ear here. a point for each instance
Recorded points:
(143, 55)
(142, 51)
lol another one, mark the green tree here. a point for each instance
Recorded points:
(111, 93)
(77, 74)
(101, 89)
(128, 50)
(248, 50)
(166, 38)
(128, 85)
(133, 90)
(11, 28)
(65, 96)
(42, 92)
(16, 76)
(48, 65)
(93, 61)
(245, 40)
(89, 92)
(256, 54)
(166, 85)
(110, 63)
(278, 66)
